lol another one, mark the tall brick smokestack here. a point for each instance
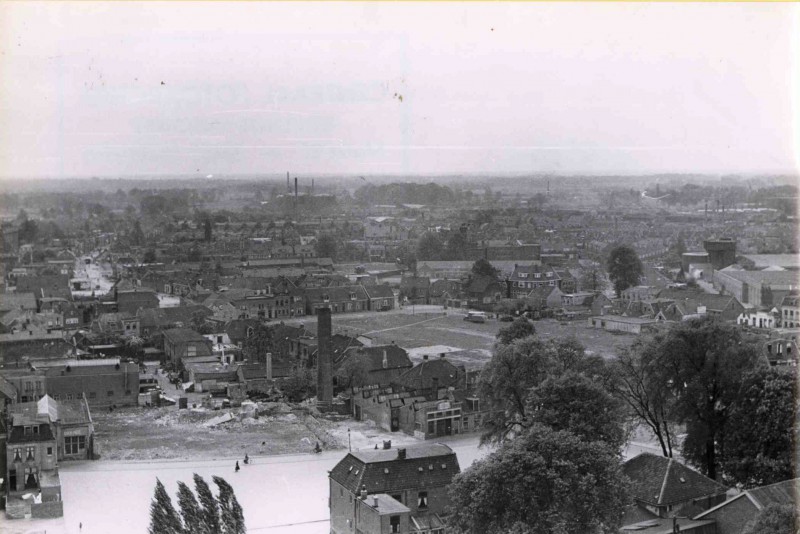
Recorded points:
(324, 350)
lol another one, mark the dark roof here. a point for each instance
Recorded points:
(17, 434)
(183, 335)
(661, 481)
(237, 328)
(431, 465)
(785, 492)
(335, 294)
(440, 287)
(379, 292)
(480, 284)
(251, 371)
(421, 375)
(171, 316)
(396, 357)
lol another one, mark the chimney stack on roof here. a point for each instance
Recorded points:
(364, 493)
(401, 454)
(424, 356)
(385, 360)
(374, 501)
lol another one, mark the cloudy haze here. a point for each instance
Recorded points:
(230, 88)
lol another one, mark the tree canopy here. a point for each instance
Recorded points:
(774, 519)
(624, 268)
(543, 482)
(210, 515)
(483, 267)
(520, 328)
(163, 517)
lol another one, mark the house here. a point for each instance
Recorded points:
(30, 345)
(415, 289)
(733, 515)
(153, 320)
(528, 277)
(180, 343)
(42, 286)
(42, 433)
(381, 297)
(638, 293)
(130, 301)
(382, 364)
(543, 297)
(102, 382)
(392, 490)
(431, 374)
(663, 487)
(442, 291)
(781, 347)
(484, 290)
(119, 323)
(619, 323)
(790, 310)
(348, 299)
(17, 302)
(755, 288)
(762, 319)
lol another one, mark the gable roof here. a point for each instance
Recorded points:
(421, 375)
(785, 492)
(379, 292)
(183, 335)
(661, 481)
(396, 357)
(430, 465)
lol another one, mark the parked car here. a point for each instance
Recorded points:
(506, 318)
(475, 317)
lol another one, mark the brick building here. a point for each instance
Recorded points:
(392, 490)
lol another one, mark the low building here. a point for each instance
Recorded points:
(733, 515)
(180, 343)
(392, 490)
(618, 323)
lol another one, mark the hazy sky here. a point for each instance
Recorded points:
(228, 88)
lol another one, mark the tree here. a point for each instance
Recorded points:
(704, 361)
(544, 482)
(482, 267)
(429, 246)
(624, 268)
(191, 511)
(642, 385)
(163, 517)
(149, 256)
(137, 235)
(456, 246)
(519, 329)
(209, 506)
(774, 519)
(300, 385)
(758, 437)
(231, 513)
(326, 247)
(577, 404)
(505, 382)
(352, 373)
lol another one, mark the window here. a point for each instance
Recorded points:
(74, 444)
(30, 453)
(49, 451)
(36, 431)
(422, 499)
(17, 455)
(110, 393)
(394, 523)
(191, 350)
(92, 394)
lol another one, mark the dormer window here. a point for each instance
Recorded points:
(352, 296)
(523, 275)
(549, 274)
(537, 275)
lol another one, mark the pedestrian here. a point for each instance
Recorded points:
(246, 459)
(237, 466)
(80, 526)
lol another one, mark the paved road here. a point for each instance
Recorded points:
(279, 494)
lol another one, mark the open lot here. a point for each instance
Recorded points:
(468, 343)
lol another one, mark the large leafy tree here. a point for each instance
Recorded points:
(545, 481)
(483, 267)
(163, 517)
(705, 361)
(641, 383)
(624, 268)
(258, 344)
(758, 440)
(520, 328)
(429, 246)
(505, 382)
(573, 402)
(326, 246)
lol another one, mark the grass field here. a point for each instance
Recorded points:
(473, 341)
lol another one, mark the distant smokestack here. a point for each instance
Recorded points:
(295, 187)
(385, 360)
(269, 366)
(324, 351)
(312, 186)
(288, 187)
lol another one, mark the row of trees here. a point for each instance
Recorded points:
(204, 514)
(560, 417)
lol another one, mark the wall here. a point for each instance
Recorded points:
(47, 510)
(96, 383)
(340, 501)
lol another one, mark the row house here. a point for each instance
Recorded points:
(381, 297)
(264, 304)
(790, 311)
(348, 299)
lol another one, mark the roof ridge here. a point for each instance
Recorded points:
(664, 482)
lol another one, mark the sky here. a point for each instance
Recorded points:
(224, 88)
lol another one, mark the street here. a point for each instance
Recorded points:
(279, 494)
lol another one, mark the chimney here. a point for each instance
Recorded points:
(387, 444)
(288, 187)
(435, 381)
(374, 501)
(364, 493)
(401, 454)
(269, 366)
(441, 356)
(324, 352)
(424, 356)
(385, 360)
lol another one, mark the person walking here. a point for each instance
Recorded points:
(237, 466)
